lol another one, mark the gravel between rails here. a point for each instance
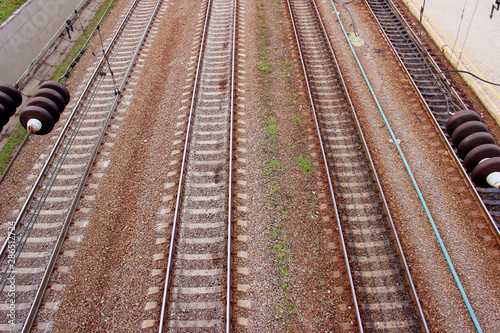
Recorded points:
(111, 277)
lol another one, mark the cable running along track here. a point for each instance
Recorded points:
(383, 292)
(198, 279)
(435, 91)
(35, 238)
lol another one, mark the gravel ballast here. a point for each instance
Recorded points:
(289, 268)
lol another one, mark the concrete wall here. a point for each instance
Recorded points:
(26, 33)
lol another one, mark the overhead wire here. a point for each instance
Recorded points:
(421, 17)
(84, 32)
(115, 85)
(447, 70)
(458, 33)
(87, 43)
(494, 7)
(467, 72)
(468, 29)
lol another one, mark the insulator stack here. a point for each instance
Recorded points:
(10, 99)
(44, 108)
(476, 146)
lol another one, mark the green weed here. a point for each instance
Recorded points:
(7, 7)
(298, 120)
(272, 128)
(11, 145)
(263, 67)
(305, 163)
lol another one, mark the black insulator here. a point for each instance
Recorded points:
(36, 112)
(483, 170)
(466, 129)
(47, 105)
(61, 89)
(53, 95)
(8, 103)
(4, 115)
(13, 93)
(472, 141)
(479, 153)
(460, 118)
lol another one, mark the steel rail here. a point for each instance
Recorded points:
(419, 193)
(424, 51)
(454, 95)
(407, 273)
(183, 173)
(230, 181)
(181, 176)
(11, 235)
(379, 186)
(325, 161)
(63, 132)
(60, 240)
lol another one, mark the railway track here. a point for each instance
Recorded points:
(197, 286)
(197, 293)
(436, 92)
(33, 241)
(383, 292)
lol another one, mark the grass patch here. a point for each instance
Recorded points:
(65, 68)
(271, 121)
(7, 7)
(274, 165)
(298, 120)
(312, 210)
(263, 67)
(305, 163)
(11, 145)
(281, 249)
(274, 170)
(277, 308)
(272, 129)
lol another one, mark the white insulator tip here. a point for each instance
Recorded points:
(494, 179)
(34, 125)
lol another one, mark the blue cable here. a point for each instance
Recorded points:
(424, 205)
